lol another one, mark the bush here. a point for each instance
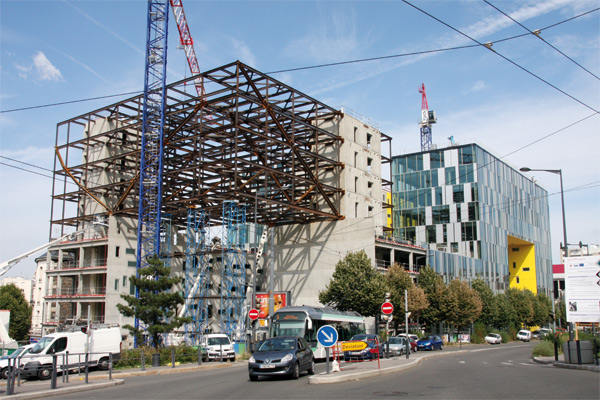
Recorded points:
(543, 349)
(505, 337)
(479, 333)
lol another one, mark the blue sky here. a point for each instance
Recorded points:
(59, 51)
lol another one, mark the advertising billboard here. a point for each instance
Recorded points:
(281, 299)
(582, 288)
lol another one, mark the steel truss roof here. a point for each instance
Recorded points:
(250, 139)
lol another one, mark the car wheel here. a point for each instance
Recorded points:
(44, 373)
(311, 370)
(253, 378)
(296, 371)
(4, 373)
(103, 364)
(441, 347)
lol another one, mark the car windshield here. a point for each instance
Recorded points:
(19, 352)
(428, 338)
(396, 340)
(215, 341)
(363, 337)
(277, 344)
(523, 332)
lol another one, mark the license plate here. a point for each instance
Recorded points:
(267, 366)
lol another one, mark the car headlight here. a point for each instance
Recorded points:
(251, 359)
(288, 357)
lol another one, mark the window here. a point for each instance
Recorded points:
(369, 137)
(458, 195)
(515, 249)
(440, 214)
(355, 130)
(116, 284)
(369, 162)
(517, 279)
(129, 251)
(431, 233)
(117, 248)
(356, 159)
(436, 159)
(454, 247)
(132, 290)
(514, 265)
(450, 176)
(439, 199)
(355, 210)
(466, 174)
(525, 268)
(468, 231)
(466, 155)
(124, 281)
(356, 184)
(132, 264)
(473, 211)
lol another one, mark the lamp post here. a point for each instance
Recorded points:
(565, 246)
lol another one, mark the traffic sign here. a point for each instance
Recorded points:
(253, 314)
(354, 345)
(327, 336)
(387, 308)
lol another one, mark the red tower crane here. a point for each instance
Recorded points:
(187, 42)
(427, 119)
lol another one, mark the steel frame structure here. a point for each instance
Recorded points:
(251, 139)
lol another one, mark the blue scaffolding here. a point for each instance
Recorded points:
(197, 275)
(233, 270)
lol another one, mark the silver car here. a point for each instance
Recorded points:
(493, 338)
(398, 346)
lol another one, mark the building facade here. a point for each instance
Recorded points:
(478, 217)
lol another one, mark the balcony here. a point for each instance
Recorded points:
(76, 265)
(74, 293)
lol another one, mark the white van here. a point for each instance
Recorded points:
(102, 341)
(524, 335)
(216, 346)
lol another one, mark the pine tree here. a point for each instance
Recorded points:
(156, 305)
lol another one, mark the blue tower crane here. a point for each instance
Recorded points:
(151, 159)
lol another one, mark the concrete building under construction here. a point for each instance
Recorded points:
(264, 189)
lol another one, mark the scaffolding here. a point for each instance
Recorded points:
(233, 270)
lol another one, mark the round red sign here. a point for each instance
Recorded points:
(253, 314)
(387, 308)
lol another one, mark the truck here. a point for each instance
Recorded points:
(96, 343)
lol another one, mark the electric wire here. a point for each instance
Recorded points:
(537, 34)
(323, 65)
(500, 55)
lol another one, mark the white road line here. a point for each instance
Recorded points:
(462, 362)
(507, 363)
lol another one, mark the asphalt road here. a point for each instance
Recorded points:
(484, 372)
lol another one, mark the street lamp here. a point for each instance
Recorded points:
(565, 246)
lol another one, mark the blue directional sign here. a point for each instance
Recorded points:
(327, 336)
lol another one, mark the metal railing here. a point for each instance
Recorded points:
(95, 263)
(75, 292)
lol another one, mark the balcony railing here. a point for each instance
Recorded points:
(95, 263)
(99, 291)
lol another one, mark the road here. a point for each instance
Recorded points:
(482, 372)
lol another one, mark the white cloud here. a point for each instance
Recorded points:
(22, 71)
(46, 71)
(243, 53)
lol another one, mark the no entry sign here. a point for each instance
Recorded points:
(387, 308)
(253, 314)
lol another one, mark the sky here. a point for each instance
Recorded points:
(521, 99)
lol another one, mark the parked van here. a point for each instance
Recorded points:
(102, 341)
(216, 346)
(4, 361)
(524, 335)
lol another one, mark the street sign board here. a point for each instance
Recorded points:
(354, 345)
(253, 314)
(387, 308)
(327, 336)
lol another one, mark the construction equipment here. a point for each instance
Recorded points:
(427, 119)
(7, 265)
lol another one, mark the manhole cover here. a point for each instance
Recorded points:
(390, 394)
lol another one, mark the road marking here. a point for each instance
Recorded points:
(462, 362)
(507, 363)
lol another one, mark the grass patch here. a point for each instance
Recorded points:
(543, 348)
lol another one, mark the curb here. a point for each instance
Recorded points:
(42, 394)
(559, 364)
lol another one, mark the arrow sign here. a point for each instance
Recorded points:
(253, 314)
(387, 308)
(327, 336)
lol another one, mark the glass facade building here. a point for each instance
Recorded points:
(479, 217)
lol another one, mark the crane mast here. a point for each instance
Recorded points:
(427, 119)
(151, 159)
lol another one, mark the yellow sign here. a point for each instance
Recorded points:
(354, 345)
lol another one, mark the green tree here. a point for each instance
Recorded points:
(504, 315)
(522, 305)
(542, 310)
(12, 299)
(156, 305)
(355, 286)
(462, 304)
(433, 286)
(489, 306)
(397, 281)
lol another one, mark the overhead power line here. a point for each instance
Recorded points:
(489, 46)
(325, 65)
(536, 33)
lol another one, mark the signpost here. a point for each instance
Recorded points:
(387, 308)
(327, 336)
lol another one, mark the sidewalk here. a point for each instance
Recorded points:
(562, 364)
